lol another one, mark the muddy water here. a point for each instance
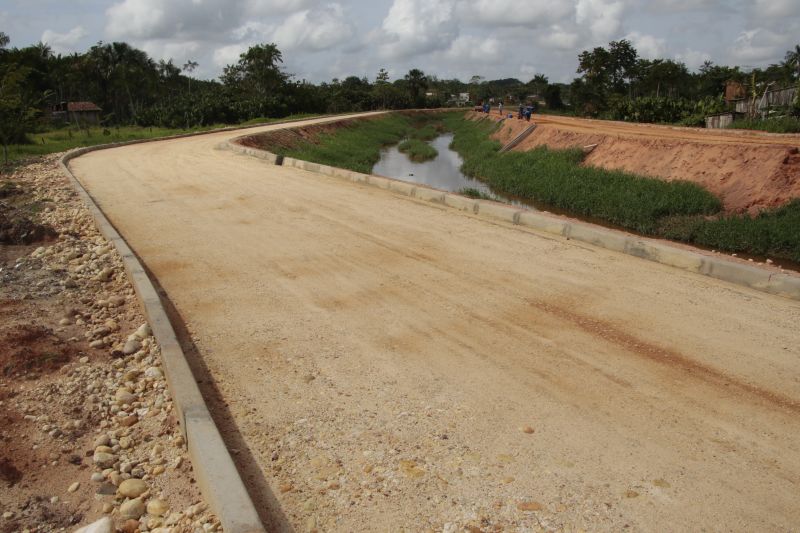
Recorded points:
(443, 172)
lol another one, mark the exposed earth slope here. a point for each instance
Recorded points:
(747, 170)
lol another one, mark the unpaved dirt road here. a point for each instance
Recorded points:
(390, 364)
(710, 136)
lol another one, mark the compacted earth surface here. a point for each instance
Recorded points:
(87, 427)
(381, 363)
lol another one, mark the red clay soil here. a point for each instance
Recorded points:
(747, 170)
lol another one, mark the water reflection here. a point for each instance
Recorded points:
(443, 172)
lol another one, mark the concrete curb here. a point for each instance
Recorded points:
(751, 276)
(216, 474)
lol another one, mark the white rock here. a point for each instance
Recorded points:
(105, 274)
(104, 525)
(131, 346)
(104, 460)
(143, 331)
(132, 488)
(132, 509)
(157, 507)
(124, 395)
(153, 372)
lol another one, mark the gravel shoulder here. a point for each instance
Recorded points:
(385, 363)
(87, 421)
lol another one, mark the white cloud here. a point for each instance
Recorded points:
(693, 58)
(603, 18)
(417, 26)
(773, 9)
(531, 13)
(321, 29)
(759, 45)
(472, 50)
(228, 55)
(557, 38)
(179, 51)
(648, 46)
(63, 43)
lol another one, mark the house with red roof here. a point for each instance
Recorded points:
(78, 113)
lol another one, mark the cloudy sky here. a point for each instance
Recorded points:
(451, 38)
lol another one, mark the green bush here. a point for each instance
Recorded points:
(417, 150)
(773, 232)
(772, 125)
(666, 110)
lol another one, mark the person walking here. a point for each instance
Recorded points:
(500, 107)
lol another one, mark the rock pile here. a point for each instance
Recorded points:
(109, 411)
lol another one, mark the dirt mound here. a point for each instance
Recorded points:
(31, 347)
(17, 228)
(748, 171)
(286, 139)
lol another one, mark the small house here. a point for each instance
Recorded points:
(77, 113)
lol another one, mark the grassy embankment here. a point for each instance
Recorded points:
(675, 210)
(64, 139)
(357, 146)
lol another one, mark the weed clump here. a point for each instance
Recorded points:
(417, 150)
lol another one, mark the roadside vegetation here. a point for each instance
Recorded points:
(556, 178)
(63, 139)
(358, 144)
(472, 192)
(675, 210)
(771, 233)
(771, 125)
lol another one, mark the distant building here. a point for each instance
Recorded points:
(78, 113)
(734, 91)
(459, 99)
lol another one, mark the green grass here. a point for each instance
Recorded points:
(417, 150)
(472, 192)
(773, 232)
(356, 146)
(427, 132)
(556, 178)
(771, 125)
(64, 139)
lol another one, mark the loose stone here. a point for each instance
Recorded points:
(132, 488)
(132, 509)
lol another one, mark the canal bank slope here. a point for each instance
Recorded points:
(381, 362)
(747, 170)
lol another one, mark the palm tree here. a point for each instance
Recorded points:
(189, 67)
(417, 82)
(793, 58)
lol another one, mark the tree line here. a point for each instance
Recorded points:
(133, 88)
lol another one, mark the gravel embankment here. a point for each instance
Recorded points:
(88, 427)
